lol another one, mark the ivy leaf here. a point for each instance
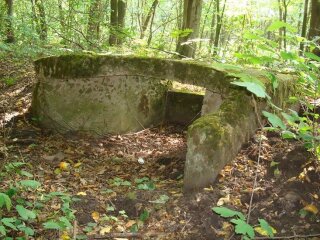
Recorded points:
(52, 225)
(5, 201)
(27, 230)
(226, 212)
(288, 135)
(25, 213)
(65, 221)
(243, 228)
(161, 200)
(25, 173)
(265, 226)
(274, 120)
(2, 230)
(9, 222)
(30, 183)
(146, 186)
(254, 88)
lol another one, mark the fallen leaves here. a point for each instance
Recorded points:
(311, 208)
(95, 216)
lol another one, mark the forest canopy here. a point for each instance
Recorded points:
(222, 29)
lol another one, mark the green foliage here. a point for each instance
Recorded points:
(181, 33)
(265, 225)
(304, 128)
(5, 201)
(30, 184)
(9, 80)
(120, 182)
(274, 120)
(145, 184)
(276, 25)
(17, 214)
(226, 212)
(253, 87)
(241, 226)
(161, 200)
(24, 213)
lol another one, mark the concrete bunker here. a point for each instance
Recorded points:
(116, 94)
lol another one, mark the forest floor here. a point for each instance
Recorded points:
(134, 181)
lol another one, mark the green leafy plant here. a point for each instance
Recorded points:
(145, 184)
(241, 226)
(9, 80)
(18, 214)
(289, 123)
(119, 182)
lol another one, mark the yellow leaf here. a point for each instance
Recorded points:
(65, 236)
(130, 223)
(77, 165)
(105, 230)
(223, 200)
(81, 194)
(210, 189)
(226, 226)
(95, 216)
(64, 166)
(311, 208)
(263, 232)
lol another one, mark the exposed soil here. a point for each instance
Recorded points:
(104, 174)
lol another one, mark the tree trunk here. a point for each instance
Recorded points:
(93, 29)
(150, 30)
(43, 34)
(281, 19)
(9, 22)
(285, 14)
(220, 15)
(304, 24)
(202, 35)
(113, 22)
(314, 31)
(62, 18)
(35, 23)
(117, 21)
(191, 20)
(212, 27)
(149, 16)
(122, 5)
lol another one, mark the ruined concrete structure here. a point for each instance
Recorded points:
(117, 94)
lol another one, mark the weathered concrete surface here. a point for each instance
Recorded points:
(116, 94)
(215, 138)
(110, 94)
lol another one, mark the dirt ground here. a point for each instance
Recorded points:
(134, 181)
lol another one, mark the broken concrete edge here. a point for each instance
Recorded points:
(215, 139)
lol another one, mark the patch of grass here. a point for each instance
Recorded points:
(9, 81)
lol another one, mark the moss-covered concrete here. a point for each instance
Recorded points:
(215, 138)
(117, 94)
